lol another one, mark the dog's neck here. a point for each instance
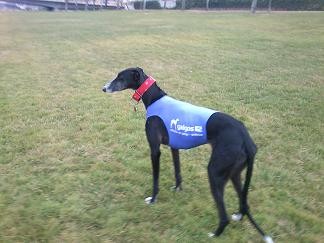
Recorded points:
(152, 94)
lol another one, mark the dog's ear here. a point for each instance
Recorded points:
(138, 73)
(137, 76)
(139, 69)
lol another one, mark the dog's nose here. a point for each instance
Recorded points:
(104, 89)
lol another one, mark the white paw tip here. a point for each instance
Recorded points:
(236, 217)
(148, 200)
(210, 234)
(175, 189)
(268, 239)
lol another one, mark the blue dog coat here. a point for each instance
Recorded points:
(185, 123)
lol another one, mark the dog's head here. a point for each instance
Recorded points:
(130, 78)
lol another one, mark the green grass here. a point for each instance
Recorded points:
(74, 162)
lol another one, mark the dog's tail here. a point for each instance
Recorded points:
(251, 150)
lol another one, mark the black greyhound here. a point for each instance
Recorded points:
(232, 147)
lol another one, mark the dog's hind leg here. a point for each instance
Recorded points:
(218, 174)
(236, 180)
(217, 185)
(177, 170)
(237, 183)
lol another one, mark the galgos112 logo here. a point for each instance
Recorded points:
(177, 127)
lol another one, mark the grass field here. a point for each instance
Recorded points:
(74, 162)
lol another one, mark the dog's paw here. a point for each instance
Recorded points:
(149, 200)
(211, 234)
(176, 188)
(268, 239)
(237, 216)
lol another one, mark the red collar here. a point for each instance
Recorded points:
(143, 88)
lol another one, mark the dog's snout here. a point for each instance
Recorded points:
(104, 89)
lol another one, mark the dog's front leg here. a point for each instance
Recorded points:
(177, 171)
(155, 158)
(155, 134)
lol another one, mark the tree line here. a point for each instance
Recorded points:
(214, 4)
(253, 4)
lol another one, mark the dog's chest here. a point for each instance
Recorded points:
(185, 123)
